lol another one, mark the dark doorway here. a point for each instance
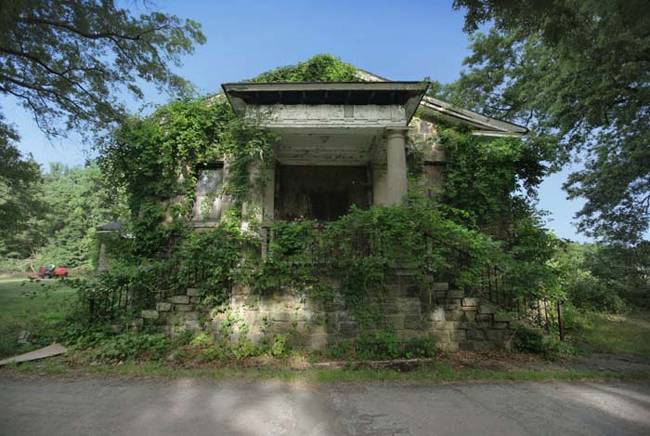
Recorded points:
(323, 193)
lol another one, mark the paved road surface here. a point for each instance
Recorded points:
(44, 406)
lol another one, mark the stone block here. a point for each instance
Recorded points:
(412, 291)
(150, 314)
(180, 299)
(445, 325)
(163, 307)
(453, 304)
(194, 292)
(487, 308)
(475, 335)
(302, 315)
(501, 325)
(280, 315)
(456, 294)
(470, 302)
(470, 315)
(183, 316)
(450, 347)
(409, 305)
(437, 314)
(495, 335)
(192, 325)
(390, 307)
(484, 317)
(396, 321)
(439, 286)
(407, 334)
(458, 335)
(454, 315)
(412, 321)
(348, 328)
(183, 307)
(317, 341)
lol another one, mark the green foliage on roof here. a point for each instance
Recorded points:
(319, 68)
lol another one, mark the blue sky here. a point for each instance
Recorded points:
(399, 40)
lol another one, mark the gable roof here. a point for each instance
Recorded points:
(482, 125)
(407, 94)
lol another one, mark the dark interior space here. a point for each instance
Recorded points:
(323, 193)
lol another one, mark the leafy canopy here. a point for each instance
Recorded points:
(20, 179)
(71, 60)
(577, 74)
(319, 68)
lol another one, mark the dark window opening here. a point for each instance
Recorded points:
(323, 193)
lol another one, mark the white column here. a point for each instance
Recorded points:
(396, 179)
(379, 185)
(269, 195)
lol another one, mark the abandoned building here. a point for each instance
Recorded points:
(341, 144)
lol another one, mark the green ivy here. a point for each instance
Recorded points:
(157, 158)
(362, 249)
(320, 68)
(483, 176)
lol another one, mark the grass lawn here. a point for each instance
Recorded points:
(435, 372)
(37, 307)
(617, 334)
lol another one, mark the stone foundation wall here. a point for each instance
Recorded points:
(454, 321)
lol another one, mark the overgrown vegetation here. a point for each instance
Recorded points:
(598, 332)
(65, 207)
(32, 314)
(572, 73)
(482, 219)
(319, 68)
(485, 218)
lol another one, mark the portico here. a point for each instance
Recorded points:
(340, 144)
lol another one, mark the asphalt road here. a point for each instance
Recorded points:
(45, 406)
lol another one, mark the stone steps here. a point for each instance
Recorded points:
(481, 325)
(176, 313)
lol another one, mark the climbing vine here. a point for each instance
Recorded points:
(157, 158)
(319, 68)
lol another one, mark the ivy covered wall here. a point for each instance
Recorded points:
(488, 184)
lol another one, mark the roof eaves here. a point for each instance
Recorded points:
(487, 126)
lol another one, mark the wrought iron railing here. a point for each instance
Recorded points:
(490, 281)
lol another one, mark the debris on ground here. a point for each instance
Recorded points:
(49, 351)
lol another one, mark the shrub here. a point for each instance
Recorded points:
(278, 346)
(588, 292)
(530, 340)
(419, 347)
(132, 346)
(380, 345)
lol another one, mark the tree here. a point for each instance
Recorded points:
(578, 75)
(20, 179)
(77, 200)
(70, 60)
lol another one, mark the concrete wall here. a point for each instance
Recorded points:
(327, 116)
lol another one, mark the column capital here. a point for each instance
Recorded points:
(397, 130)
